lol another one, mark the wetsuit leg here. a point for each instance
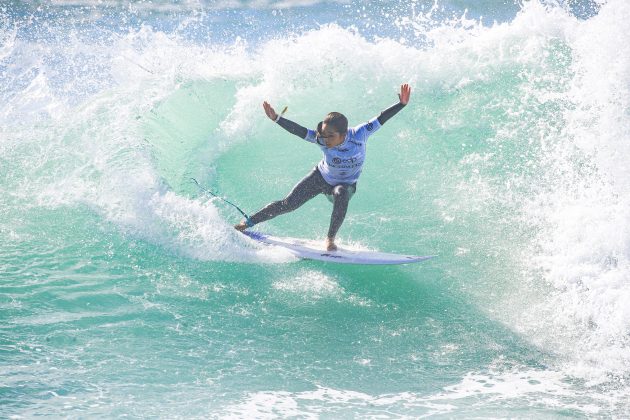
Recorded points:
(341, 197)
(312, 185)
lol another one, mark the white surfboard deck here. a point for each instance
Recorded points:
(314, 250)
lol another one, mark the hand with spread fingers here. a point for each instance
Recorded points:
(405, 93)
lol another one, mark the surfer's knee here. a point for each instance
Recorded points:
(286, 203)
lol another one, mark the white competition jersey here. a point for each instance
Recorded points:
(343, 164)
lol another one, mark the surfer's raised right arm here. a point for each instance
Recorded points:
(288, 125)
(403, 100)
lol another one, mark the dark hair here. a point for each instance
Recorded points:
(337, 121)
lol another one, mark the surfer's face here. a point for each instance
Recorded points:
(330, 136)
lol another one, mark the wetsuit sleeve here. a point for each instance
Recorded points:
(293, 128)
(390, 112)
(363, 131)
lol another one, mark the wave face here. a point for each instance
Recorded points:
(124, 289)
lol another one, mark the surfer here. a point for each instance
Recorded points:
(336, 175)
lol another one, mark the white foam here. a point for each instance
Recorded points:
(313, 284)
(92, 153)
(584, 238)
(569, 288)
(475, 395)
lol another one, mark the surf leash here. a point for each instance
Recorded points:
(247, 221)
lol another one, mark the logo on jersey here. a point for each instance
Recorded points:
(339, 161)
(369, 126)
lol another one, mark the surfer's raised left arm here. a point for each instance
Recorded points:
(403, 100)
(290, 126)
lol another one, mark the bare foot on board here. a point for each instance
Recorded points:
(241, 226)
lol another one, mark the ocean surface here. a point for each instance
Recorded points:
(125, 291)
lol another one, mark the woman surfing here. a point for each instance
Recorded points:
(336, 175)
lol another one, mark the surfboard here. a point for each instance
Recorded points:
(314, 250)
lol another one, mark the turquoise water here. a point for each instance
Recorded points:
(126, 292)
